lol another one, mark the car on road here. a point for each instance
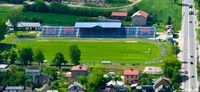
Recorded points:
(192, 76)
(191, 56)
(191, 12)
(190, 21)
(190, 5)
(191, 63)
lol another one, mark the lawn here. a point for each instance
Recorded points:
(93, 51)
(58, 19)
(162, 9)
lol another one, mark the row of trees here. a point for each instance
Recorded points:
(171, 66)
(60, 8)
(27, 56)
(14, 1)
(2, 29)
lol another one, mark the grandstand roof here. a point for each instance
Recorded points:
(28, 24)
(101, 24)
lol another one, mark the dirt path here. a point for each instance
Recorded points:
(126, 7)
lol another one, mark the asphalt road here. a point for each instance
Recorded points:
(189, 52)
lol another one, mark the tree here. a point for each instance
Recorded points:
(15, 16)
(26, 55)
(13, 56)
(5, 56)
(2, 29)
(39, 56)
(49, 71)
(59, 59)
(169, 21)
(75, 54)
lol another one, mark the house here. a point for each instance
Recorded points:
(76, 87)
(33, 70)
(162, 84)
(139, 18)
(14, 89)
(170, 32)
(2, 88)
(147, 88)
(153, 70)
(9, 26)
(116, 86)
(79, 70)
(28, 26)
(119, 15)
(52, 90)
(131, 76)
(4, 67)
(40, 80)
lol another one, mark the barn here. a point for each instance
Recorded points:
(100, 29)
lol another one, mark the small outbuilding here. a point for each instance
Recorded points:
(4, 67)
(153, 70)
(119, 15)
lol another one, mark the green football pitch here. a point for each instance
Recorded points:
(96, 51)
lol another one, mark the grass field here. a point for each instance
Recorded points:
(98, 51)
(57, 19)
(162, 9)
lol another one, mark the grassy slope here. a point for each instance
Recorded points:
(162, 9)
(4, 12)
(98, 51)
(55, 19)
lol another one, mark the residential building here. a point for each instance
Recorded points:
(119, 15)
(14, 89)
(4, 67)
(131, 76)
(76, 87)
(28, 26)
(79, 70)
(162, 84)
(116, 86)
(139, 18)
(33, 70)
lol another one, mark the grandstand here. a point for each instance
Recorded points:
(98, 30)
(58, 31)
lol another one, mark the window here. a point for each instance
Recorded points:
(127, 76)
(127, 82)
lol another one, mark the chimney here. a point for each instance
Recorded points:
(131, 69)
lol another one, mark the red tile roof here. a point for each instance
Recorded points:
(79, 68)
(119, 14)
(131, 72)
(141, 13)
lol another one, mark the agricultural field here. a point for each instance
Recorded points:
(94, 51)
(57, 19)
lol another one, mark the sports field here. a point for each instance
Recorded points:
(94, 51)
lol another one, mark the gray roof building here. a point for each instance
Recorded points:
(100, 24)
